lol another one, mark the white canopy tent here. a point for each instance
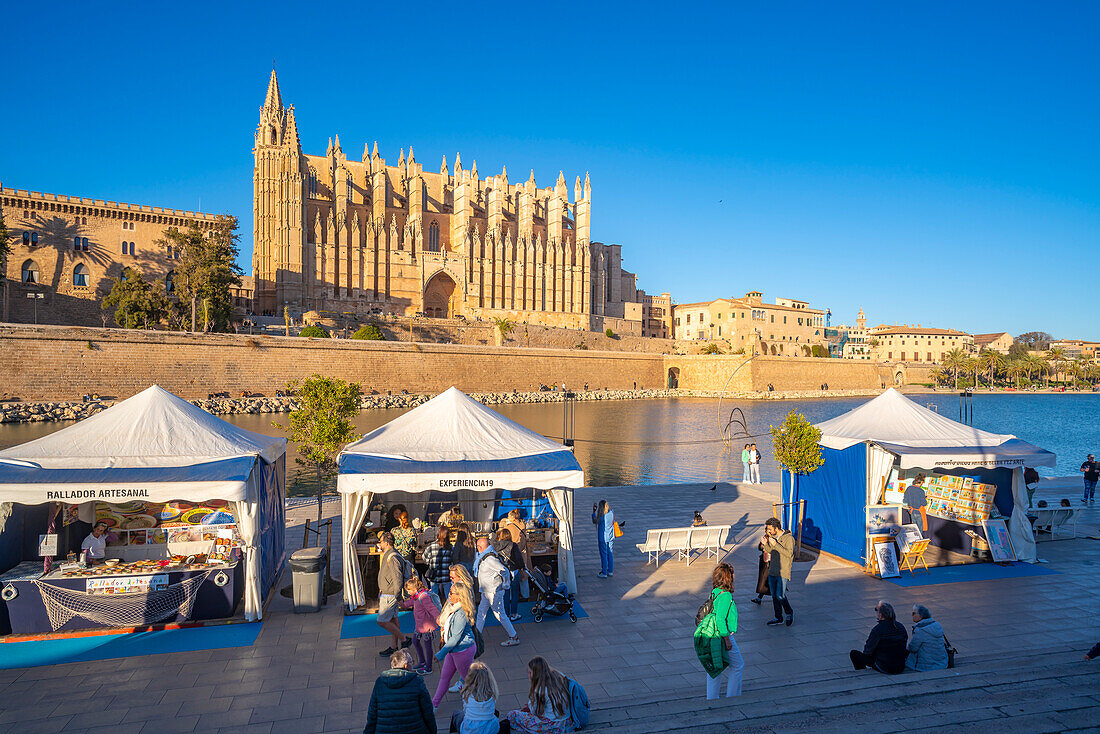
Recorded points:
(896, 430)
(157, 447)
(452, 443)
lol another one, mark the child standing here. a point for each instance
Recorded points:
(479, 703)
(425, 614)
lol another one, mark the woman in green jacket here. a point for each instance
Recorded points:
(714, 641)
(746, 459)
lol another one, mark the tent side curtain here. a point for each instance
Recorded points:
(835, 496)
(214, 480)
(354, 507)
(262, 526)
(561, 502)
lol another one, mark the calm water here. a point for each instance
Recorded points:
(668, 441)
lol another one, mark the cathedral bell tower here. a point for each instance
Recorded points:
(278, 205)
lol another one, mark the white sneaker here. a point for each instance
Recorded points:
(514, 617)
(602, 575)
(510, 642)
(457, 686)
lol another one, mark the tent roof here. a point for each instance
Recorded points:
(901, 426)
(893, 418)
(453, 442)
(151, 429)
(452, 426)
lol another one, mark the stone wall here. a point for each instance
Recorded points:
(731, 373)
(64, 363)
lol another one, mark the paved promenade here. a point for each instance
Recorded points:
(635, 648)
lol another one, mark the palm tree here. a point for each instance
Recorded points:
(1033, 364)
(504, 327)
(974, 366)
(992, 362)
(1056, 358)
(1014, 368)
(954, 360)
(1080, 368)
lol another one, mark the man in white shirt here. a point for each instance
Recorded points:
(96, 543)
(493, 578)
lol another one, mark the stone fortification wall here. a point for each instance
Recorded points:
(732, 374)
(453, 331)
(64, 363)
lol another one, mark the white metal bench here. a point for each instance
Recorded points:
(707, 539)
(1058, 518)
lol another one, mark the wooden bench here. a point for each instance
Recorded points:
(1057, 518)
(707, 539)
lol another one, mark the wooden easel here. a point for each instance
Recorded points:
(915, 555)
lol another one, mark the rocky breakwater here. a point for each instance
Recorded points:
(33, 412)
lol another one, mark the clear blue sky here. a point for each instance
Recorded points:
(930, 162)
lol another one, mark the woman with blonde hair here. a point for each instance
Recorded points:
(479, 703)
(457, 633)
(464, 549)
(548, 705)
(460, 575)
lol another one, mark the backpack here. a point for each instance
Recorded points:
(435, 599)
(578, 704)
(479, 642)
(407, 572)
(706, 609)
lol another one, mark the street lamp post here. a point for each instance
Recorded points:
(36, 297)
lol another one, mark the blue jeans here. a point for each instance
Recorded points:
(1090, 489)
(441, 590)
(607, 558)
(777, 585)
(511, 596)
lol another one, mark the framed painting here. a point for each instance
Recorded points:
(907, 535)
(883, 519)
(1000, 544)
(887, 559)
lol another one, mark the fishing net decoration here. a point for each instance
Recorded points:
(120, 610)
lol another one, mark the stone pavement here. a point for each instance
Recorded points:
(634, 649)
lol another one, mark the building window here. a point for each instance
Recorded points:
(76, 243)
(26, 239)
(80, 276)
(169, 252)
(125, 248)
(170, 282)
(83, 220)
(433, 237)
(312, 182)
(30, 272)
(84, 244)
(132, 252)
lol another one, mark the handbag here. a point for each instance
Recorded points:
(618, 531)
(950, 652)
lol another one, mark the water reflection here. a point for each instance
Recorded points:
(679, 440)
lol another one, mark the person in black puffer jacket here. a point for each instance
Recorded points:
(885, 649)
(400, 703)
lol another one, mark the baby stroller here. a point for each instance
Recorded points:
(551, 601)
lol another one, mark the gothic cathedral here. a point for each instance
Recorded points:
(363, 236)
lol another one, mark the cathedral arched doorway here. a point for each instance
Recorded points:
(441, 297)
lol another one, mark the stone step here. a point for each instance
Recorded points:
(673, 710)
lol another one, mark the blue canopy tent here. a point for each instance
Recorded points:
(156, 447)
(453, 444)
(862, 446)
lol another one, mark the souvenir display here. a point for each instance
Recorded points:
(959, 498)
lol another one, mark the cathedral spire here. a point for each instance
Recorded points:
(292, 129)
(328, 150)
(401, 160)
(443, 168)
(473, 170)
(337, 147)
(458, 165)
(577, 189)
(559, 187)
(274, 100)
(587, 187)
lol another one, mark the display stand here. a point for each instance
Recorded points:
(915, 555)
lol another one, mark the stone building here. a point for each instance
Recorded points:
(999, 342)
(1078, 348)
(338, 234)
(656, 315)
(787, 327)
(907, 343)
(67, 250)
(853, 339)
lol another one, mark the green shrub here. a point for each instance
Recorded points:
(711, 349)
(370, 332)
(610, 334)
(314, 331)
(820, 351)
